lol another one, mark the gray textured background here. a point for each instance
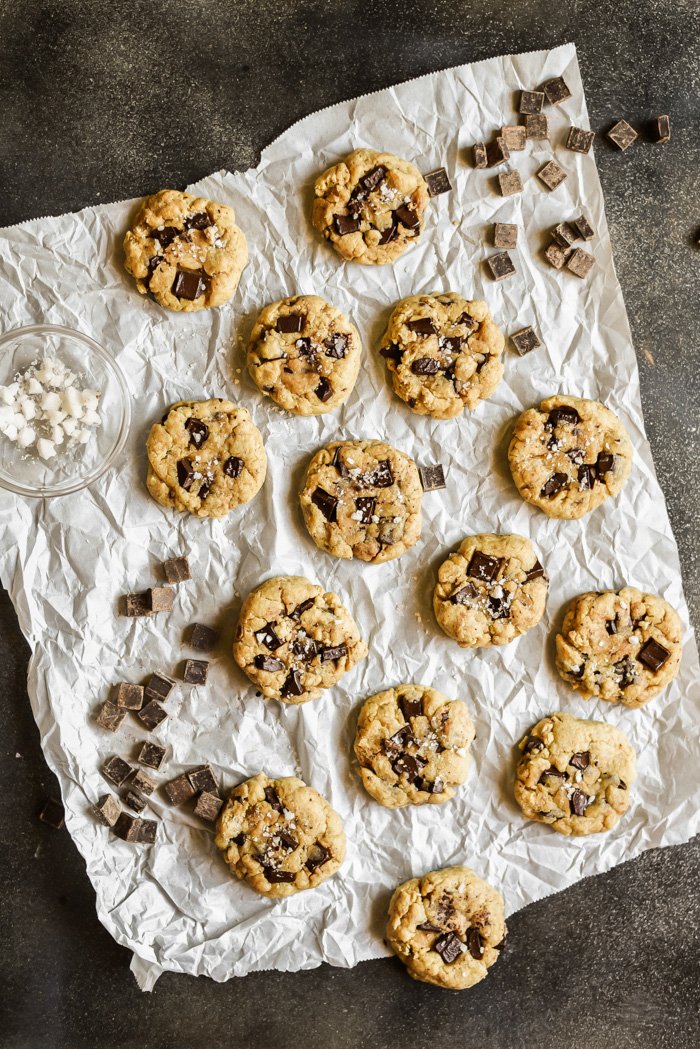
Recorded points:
(105, 100)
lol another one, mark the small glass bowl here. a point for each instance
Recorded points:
(21, 469)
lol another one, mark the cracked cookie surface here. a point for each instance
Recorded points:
(492, 590)
(185, 251)
(304, 354)
(412, 745)
(575, 775)
(362, 499)
(205, 457)
(443, 353)
(279, 835)
(448, 927)
(568, 455)
(293, 640)
(622, 646)
(370, 206)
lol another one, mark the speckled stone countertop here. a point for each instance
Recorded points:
(100, 101)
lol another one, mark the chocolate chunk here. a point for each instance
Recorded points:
(198, 432)
(483, 566)
(564, 235)
(432, 478)
(625, 671)
(563, 414)
(365, 506)
(533, 745)
(552, 175)
(268, 663)
(286, 840)
(326, 503)
(605, 463)
(422, 326)
(233, 466)
(586, 477)
(195, 671)
(394, 745)
(425, 366)
(583, 228)
(116, 770)
(480, 155)
(136, 605)
(275, 876)
(297, 612)
(159, 687)
(177, 570)
(318, 855)
(525, 340)
(500, 265)
(536, 126)
(551, 772)
(579, 140)
(580, 263)
(129, 696)
(202, 778)
(510, 183)
(334, 652)
(556, 483)
(505, 235)
(611, 626)
(381, 477)
(107, 810)
(531, 101)
(52, 813)
(205, 488)
(293, 685)
(581, 760)
(514, 136)
(556, 91)
(436, 787)
(663, 129)
(146, 832)
(127, 827)
(373, 178)
(622, 134)
(388, 234)
(407, 217)
(200, 220)
(410, 708)
(110, 716)
(557, 256)
(268, 637)
(189, 285)
(474, 944)
(179, 790)
(498, 607)
(160, 598)
(153, 264)
(208, 806)
(578, 802)
(304, 648)
(324, 390)
(166, 235)
(152, 714)
(185, 473)
(336, 346)
(536, 572)
(134, 801)
(152, 754)
(142, 782)
(345, 224)
(408, 765)
(653, 655)
(464, 595)
(290, 323)
(202, 637)
(449, 947)
(497, 152)
(437, 182)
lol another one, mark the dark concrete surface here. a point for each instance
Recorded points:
(105, 100)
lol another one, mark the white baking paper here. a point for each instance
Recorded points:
(66, 562)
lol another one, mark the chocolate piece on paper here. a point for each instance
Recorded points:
(501, 265)
(152, 714)
(622, 135)
(177, 570)
(161, 598)
(510, 183)
(481, 159)
(110, 716)
(432, 477)
(189, 284)
(531, 102)
(152, 754)
(137, 605)
(195, 671)
(202, 778)
(437, 182)
(557, 256)
(52, 812)
(497, 151)
(556, 91)
(159, 687)
(514, 136)
(129, 696)
(663, 129)
(525, 340)
(579, 140)
(564, 235)
(134, 830)
(208, 806)
(290, 323)
(146, 832)
(505, 235)
(552, 175)
(134, 801)
(140, 781)
(583, 228)
(107, 810)
(116, 770)
(653, 655)
(537, 126)
(202, 637)
(580, 263)
(179, 790)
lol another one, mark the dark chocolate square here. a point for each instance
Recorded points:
(500, 265)
(579, 140)
(203, 637)
(179, 790)
(663, 129)
(195, 672)
(432, 477)
(158, 687)
(525, 340)
(622, 134)
(137, 605)
(564, 235)
(583, 228)
(152, 754)
(438, 182)
(537, 126)
(110, 716)
(152, 714)
(580, 263)
(514, 136)
(52, 812)
(142, 782)
(505, 235)
(177, 570)
(556, 91)
(552, 175)
(134, 801)
(208, 806)
(202, 778)
(510, 183)
(128, 696)
(497, 151)
(107, 810)
(161, 598)
(531, 102)
(189, 284)
(116, 770)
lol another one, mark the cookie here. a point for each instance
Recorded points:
(412, 745)
(443, 353)
(448, 927)
(622, 646)
(362, 499)
(205, 457)
(293, 640)
(279, 835)
(575, 775)
(304, 354)
(491, 591)
(568, 455)
(186, 252)
(370, 206)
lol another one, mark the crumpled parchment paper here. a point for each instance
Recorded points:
(65, 562)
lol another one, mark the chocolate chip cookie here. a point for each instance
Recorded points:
(575, 775)
(205, 457)
(491, 591)
(619, 645)
(362, 499)
(568, 455)
(448, 927)
(280, 836)
(186, 252)
(443, 353)
(412, 745)
(293, 640)
(304, 354)
(370, 206)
